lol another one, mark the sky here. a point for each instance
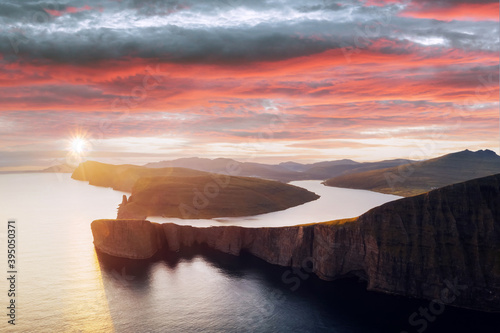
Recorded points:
(263, 81)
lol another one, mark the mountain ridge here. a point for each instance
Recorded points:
(420, 177)
(284, 172)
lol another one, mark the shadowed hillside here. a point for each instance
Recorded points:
(420, 177)
(186, 193)
(325, 170)
(210, 196)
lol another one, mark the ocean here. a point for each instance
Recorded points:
(64, 285)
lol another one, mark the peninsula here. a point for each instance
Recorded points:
(193, 194)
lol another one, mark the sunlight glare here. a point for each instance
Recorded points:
(78, 145)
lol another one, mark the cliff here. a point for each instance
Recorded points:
(442, 245)
(134, 239)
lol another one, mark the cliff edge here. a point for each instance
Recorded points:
(442, 245)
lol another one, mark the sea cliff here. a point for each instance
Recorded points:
(421, 246)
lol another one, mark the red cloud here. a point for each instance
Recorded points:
(67, 10)
(407, 72)
(461, 11)
(380, 3)
(445, 10)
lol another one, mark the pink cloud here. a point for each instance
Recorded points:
(67, 10)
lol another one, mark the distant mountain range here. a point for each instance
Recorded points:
(398, 176)
(61, 168)
(420, 177)
(222, 166)
(284, 172)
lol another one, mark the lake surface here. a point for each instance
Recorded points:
(334, 203)
(65, 286)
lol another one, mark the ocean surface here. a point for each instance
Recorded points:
(63, 285)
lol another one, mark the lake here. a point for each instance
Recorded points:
(334, 203)
(63, 285)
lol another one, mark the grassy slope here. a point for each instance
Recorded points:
(416, 178)
(164, 191)
(204, 197)
(123, 177)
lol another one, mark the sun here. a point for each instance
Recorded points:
(78, 145)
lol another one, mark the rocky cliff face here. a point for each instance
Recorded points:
(443, 245)
(134, 239)
(420, 245)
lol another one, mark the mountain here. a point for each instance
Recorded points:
(197, 163)
(284, 172)
(443, 245)
(420, 177)
(221, 166)
(187, 193)
(294, 166)
(62, 168)
(325, 164)
(323, 171)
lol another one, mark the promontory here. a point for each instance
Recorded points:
(187, 193)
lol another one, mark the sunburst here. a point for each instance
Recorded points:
(78, 145)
